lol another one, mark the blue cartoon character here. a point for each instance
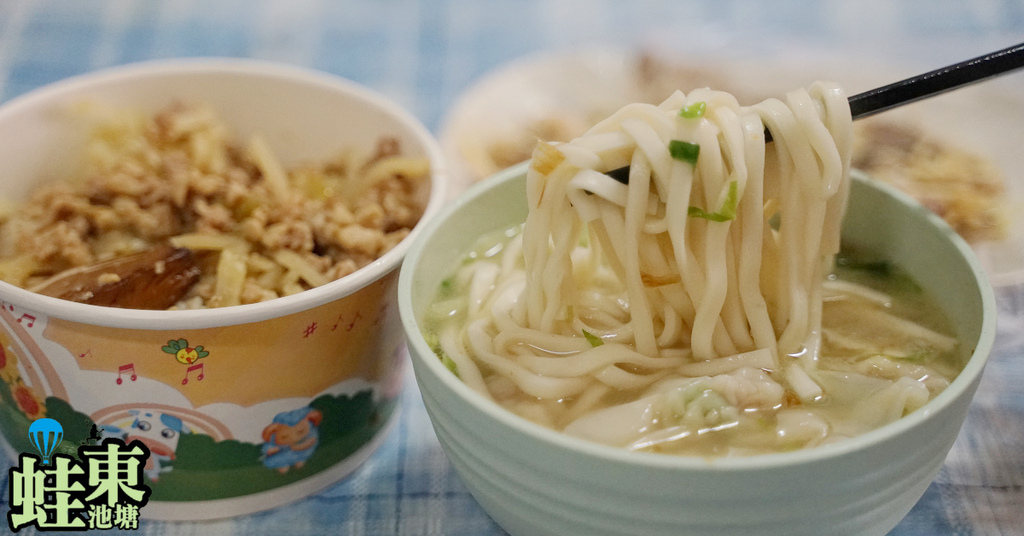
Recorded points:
(291, 439)
(158, 431)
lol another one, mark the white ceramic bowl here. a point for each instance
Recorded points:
(328, 359)
(534, 481)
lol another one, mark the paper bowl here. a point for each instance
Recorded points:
(534, 481)
(324, 364)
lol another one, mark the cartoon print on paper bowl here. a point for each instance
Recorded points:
(27, 400)
(24, 397)
(291, 439)
(185, 354)
(158, 431)
(256, 442)
(8, 361)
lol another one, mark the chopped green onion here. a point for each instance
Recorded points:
(693, 111)
(584, 239)
(726, 213)
(447, 286)
(922, 355)
(433, 339)
(594, 340)
(448, 362)
(697, 212)
(685, 151)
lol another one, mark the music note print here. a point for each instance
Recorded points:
(200, 377)
(352, 324)
(31, 320)
(125, 369)
(86, 354)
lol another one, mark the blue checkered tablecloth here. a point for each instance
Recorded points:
(423, 54)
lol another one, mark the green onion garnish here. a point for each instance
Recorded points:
(448, 363)
(447, 286)
(726, 213)
(693, 111)
(594, 340)
(685, 151)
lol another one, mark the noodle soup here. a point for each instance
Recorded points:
(672, 288)
(886, 350)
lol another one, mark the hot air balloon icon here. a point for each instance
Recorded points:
(45, 434)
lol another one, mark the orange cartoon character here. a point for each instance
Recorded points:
(291, 439)
(184, 353)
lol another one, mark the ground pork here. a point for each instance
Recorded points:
(178, 176)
